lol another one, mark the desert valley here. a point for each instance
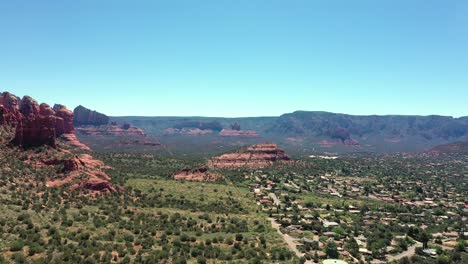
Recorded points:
(307, 187)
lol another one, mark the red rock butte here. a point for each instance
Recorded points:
(35, 124)
(256, 156)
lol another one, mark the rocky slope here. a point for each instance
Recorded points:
(31, 125)
(87, 117)
(256, 156)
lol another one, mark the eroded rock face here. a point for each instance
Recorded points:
(95, 180)
(64, 120)
(199, 174)
(46, 110)
(36, 131)
(87, 117)
(36, 125)
(9, 104)
(72, 141)
(29, 107)
(256, 156)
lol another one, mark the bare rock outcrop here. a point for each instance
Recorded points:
(65, 119)
(36, 131)
(85, 173)
(9, 105)
(71, 140)
(256, 156)
(36, 125)
(87, 117)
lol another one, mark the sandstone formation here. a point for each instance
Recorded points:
(238, 133)
(64, 120)
(199, 174)
(87, 117)
(72, 141)
(35, 124)
(9, 109)
(83, 172)
(36, 131)
(256, 156)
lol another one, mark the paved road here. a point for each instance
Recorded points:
(275, 199)
(289, 240)
(408, 253)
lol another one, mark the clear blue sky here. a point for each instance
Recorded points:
(238, 57)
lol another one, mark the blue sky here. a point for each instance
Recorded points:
(238, 58)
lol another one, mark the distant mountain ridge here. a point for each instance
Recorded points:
(302, 132)
(342, 126)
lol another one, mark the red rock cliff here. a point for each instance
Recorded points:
(87, 117)
(256, 156)
(36, 125)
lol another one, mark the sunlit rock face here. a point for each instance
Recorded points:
(87, 117)
(256, 156)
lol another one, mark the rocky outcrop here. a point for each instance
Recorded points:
(36, 125)
(83, 172)
(256, 156)
(199, 174)
(29, 107)
(36, 131)
(87, 117)
(9, 105)
(238, 133)
(65, 117)
(72, 141)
